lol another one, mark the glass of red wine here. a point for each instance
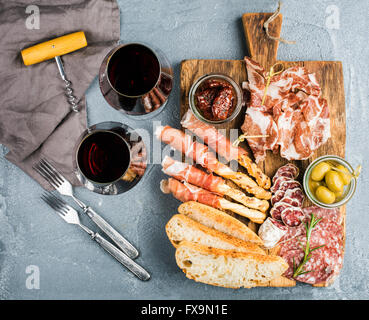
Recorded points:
(136, 80)
(110, 158)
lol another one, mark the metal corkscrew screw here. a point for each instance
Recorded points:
(55, 48)
(72, 100)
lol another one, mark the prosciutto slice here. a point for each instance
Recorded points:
(294, 116)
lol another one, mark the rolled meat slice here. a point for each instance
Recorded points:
(221, 145)
(201, 155)
(187, 192)
(186, 172)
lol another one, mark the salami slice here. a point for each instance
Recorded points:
(288, 170)
(292, 216)
(326, 261)
(322, 266)
(277, 197)
(296, 195)
(291, 201)
(279, 224)
(289, 184)
(277, 209)
(277, 183)
(285, 174)
(331, 214)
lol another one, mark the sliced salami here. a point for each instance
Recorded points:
(325, 262)
(296, 195)
(330, 214)
(288, 170)
(285, 174)
(277, 209)
(277, 183)
(322, 266)
(279, 224)
(289, 184)
(292, 216)
(291, 201)
(277, 197)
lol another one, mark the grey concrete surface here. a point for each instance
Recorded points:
(72, 267)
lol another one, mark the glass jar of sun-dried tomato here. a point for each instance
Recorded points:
(215, 98)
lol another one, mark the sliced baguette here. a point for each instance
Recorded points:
(218, 220)
(180, 228)
(226, 268)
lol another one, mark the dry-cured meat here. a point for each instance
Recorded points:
(325, 262)
(223, 146)
(292, 216)
(271, 231)
(290, 112)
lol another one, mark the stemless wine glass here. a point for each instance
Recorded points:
(136, 80)
(110, 158)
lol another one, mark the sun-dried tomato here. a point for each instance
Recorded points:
(215, 100)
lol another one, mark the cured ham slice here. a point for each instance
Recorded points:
(188, 173)
(294, 115)
(221, 145)
(260, 123)
(201, 155)
(187, 192)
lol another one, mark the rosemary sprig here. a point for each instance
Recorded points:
(297, 271)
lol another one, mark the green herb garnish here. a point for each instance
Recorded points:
(297, 271)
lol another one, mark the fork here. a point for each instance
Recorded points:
(64, 187)
(70, 215)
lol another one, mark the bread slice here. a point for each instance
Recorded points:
(218, 220)
(227, 268)
(180, 228)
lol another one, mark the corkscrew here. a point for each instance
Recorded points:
(55, 48)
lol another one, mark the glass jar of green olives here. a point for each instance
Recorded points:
(329, 182)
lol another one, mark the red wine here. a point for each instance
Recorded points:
(133, 70)
(103, 156)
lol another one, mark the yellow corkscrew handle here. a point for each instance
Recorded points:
(55, 47)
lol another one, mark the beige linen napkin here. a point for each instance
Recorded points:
(36, 120)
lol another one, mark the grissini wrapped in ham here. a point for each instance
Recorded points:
(201, 155)
(186, 172)
(187, 192)
(218, 142)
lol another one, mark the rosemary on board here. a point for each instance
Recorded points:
(297, 271)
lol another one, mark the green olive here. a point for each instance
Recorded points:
(319, 171)
(346, 177)
(313, 185)
(324, 195)
(334, 181)
(338, 195)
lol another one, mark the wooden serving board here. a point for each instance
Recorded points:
(264, 50)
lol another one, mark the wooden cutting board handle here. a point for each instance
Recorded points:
(261, 48)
